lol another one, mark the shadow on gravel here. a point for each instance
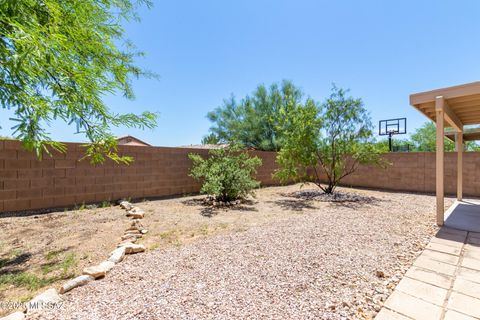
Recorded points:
(341, 199)
(209, 210)
(294, 205)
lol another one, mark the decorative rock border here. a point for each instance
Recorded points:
(127, 245)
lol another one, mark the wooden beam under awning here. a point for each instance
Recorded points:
(468, 135)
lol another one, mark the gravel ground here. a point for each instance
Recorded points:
(335, 261)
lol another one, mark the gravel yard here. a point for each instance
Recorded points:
(284, 258)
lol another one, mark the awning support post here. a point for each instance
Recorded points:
(439, 111)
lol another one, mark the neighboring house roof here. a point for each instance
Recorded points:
(131, 141)
(206, 146)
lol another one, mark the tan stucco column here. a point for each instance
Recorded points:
(439, 108)
(459, 147)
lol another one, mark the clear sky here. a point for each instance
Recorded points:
(206, 50)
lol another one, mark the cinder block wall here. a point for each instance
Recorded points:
(63, 181)
(415, 171)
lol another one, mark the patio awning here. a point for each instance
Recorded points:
(452, 107)
(462, 102)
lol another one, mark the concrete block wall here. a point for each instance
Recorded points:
(64, 180)
(415, 172)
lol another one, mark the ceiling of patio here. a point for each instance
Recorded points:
(463, 100)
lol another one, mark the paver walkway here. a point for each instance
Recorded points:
(443, 283)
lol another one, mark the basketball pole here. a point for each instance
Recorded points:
(390, 141)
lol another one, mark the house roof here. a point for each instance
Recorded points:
(206, 146)
(139, 142)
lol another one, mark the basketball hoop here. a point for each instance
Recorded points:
(391, 127)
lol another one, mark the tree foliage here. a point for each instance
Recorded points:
(210, 139)
(58, 60)
(254, 121)
(397, 144)
(425, 139)
(227, 173)
(333, 139)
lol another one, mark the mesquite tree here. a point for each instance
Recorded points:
(333, 139)
(58, 60)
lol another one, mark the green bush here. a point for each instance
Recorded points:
(227, 173)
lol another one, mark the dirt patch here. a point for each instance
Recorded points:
(42, 250)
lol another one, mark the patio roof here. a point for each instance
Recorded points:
(455, 107)
(462, 103)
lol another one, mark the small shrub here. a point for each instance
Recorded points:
(105, 204)
(226, 174)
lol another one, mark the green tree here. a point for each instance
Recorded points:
(58, 60)
(345, 144)
(227, 173)
(425, 139)
(210, 139)
(402, 144)
(254, 121)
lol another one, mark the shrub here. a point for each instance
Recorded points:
(227, 173)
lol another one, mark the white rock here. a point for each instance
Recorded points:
(133, 248)
(47, 299)
(107, 265)
(76, 282)
(136, 213)
(117, 255)
(14, 316)
(131, 236)
(125, 205)
(100, 270)
(144, 231)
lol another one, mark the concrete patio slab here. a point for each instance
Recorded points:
(443, 248)
(413, 307)
(454, 315)
(469, 274)
(467, 287)
(464, 304)
(430, 277)
(464, 215)
(422, 290)
(440, 256)
(471, 263)
(433, 265)
(443, 283)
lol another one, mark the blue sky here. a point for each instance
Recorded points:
(206, 50)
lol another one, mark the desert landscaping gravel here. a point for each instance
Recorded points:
(334, 260)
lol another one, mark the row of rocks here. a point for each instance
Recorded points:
(127, 245)
(212, 201)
